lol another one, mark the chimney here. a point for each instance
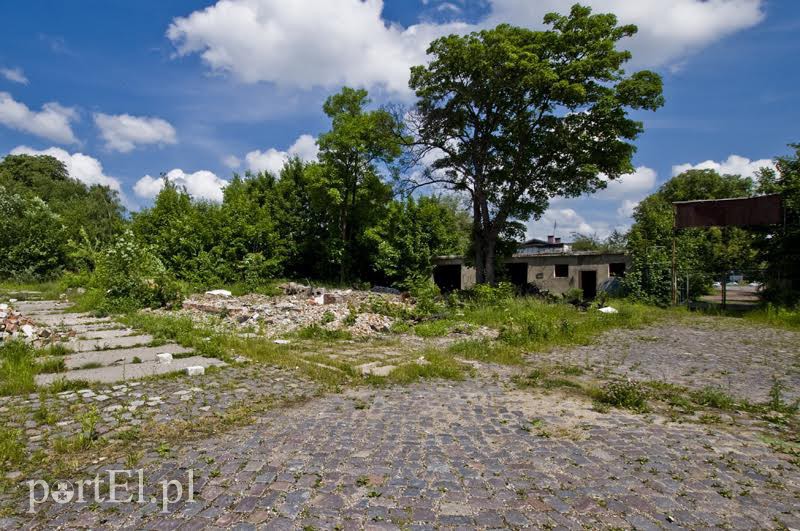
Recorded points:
(551, 239)
(558, 240)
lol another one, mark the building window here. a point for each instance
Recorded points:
(616, 269)
(562, 270)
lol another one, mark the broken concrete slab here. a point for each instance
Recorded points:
(106, 333)
(164, 357)
(376, 368)
(195, 370)
(70, 319)
(87, 345)
(128, 372)
(121, 356)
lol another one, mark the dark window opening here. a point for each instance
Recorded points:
(518, 274)
(589, 284)
(447, 277)
(617, 269)
(562, 270)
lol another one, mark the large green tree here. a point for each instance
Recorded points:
(780, 246)
(349, 152)
(87, 212)
(515, 117)
(703, 254)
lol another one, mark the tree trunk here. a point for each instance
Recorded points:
(477, 244)
(491, 243)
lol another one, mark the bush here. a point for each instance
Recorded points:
(31, 238)
(625, 394)
(129, 276)
(486, 294)
(427, 296)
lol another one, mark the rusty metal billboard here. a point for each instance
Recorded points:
(737, 212)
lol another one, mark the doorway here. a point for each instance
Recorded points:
(589, 284)
(518, 274)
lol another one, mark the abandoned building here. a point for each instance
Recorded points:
(549, 265)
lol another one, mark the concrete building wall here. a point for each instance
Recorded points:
(541, 270)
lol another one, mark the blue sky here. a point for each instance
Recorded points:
(123, 91)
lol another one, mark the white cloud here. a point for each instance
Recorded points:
(627, 207)
(637, 184)
(82, 167)
(15, 75)
(332, 42)
(566, 221)
(52, 122)
(272, 160)
(669, 30)
(733, 165)
(232, 161)
(200, 184)
(124, 132)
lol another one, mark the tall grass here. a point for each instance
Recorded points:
(775, 316)
(17, 368)
(536, 325)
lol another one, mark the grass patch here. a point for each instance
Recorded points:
(27, 290)
(12, 448)
(17, 368)
(51, 365)
(713, 397)
(534, 325)
(775, 316)
(487, 351)
(544, 378)
(316, 332)
(182, 330)
(437, 365)
(437, 328)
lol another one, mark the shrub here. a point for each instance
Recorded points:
(31, 238)
(427, 296)
(485, 294)
(129, 275)
(626, 394)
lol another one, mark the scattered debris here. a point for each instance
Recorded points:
(14, 325)
(281, 341)
(164, 357)
(219, 293)
(195, 370)
(608, 309)
(301, 307)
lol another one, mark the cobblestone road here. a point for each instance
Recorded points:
(473, 454)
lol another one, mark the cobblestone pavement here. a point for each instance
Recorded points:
(741, 358)
(44, 418)
(470, 454)
(473, 454)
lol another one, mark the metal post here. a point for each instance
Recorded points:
(674, 271)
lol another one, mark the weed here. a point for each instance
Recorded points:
(17, 368)
(12, 449)
(51, 366)
(625, 394)
(322, 334)
(91, 365)
(713, 397)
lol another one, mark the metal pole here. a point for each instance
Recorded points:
(674, 271)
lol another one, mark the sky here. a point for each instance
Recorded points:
(124, 91)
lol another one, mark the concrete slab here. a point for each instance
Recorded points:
(70, 319)
(106, 333)
(34, 306)
(107, 325)
(121, 356)
(86, 345)
(130, 372)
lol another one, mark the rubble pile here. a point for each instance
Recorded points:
(300, 306)
(14, 325)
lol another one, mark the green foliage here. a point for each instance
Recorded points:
(129, 275)
(779, 247)
(521, 116)
(703, 254)
(412, 233)
(86, 213)
(427, 296)
(17, 369)
(31, 238)
(626, 394)
(713, 397)
(12, 447)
